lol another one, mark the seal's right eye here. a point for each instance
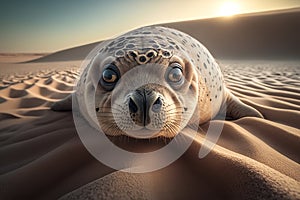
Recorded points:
(174, 75)
(110, 77)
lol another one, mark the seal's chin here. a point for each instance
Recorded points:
(143, 133)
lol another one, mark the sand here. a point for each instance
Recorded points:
(42, 156)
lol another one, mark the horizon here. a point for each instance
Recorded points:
(58, 31)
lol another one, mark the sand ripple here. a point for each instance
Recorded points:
(42, 157)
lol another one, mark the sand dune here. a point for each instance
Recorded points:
(266, 35)
(75, 53)
(42, 156)
(255, 35)
(19, 57)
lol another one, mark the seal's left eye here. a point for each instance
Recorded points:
(109, 76)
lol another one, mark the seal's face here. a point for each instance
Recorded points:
(145, 93)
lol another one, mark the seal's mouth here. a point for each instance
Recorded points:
(143, 133)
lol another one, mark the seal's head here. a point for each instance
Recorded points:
(145, 89)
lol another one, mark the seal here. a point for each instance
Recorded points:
(151, 82)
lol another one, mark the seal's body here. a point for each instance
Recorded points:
(152, 82)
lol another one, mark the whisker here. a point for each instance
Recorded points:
(172, 104)
(112, 107)
(178, 113)
(112, 128)
(177, 108)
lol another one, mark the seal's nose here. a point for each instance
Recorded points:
(141, 102)
(132, 106)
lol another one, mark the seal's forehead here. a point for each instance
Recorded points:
(146, 38)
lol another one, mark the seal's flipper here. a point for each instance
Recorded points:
(63, 105)
(237, 109)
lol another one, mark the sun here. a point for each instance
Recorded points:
(229, 8)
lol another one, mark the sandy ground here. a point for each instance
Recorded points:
(43, 158)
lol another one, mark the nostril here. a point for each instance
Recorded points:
(132, 106)
(157, 105)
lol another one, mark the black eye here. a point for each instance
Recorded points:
(110, 77)
(174, 75)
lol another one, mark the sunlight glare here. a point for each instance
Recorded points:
(229, 9)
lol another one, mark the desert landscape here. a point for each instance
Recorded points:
(42, 156)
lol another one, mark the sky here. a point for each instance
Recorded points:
(35, 26)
